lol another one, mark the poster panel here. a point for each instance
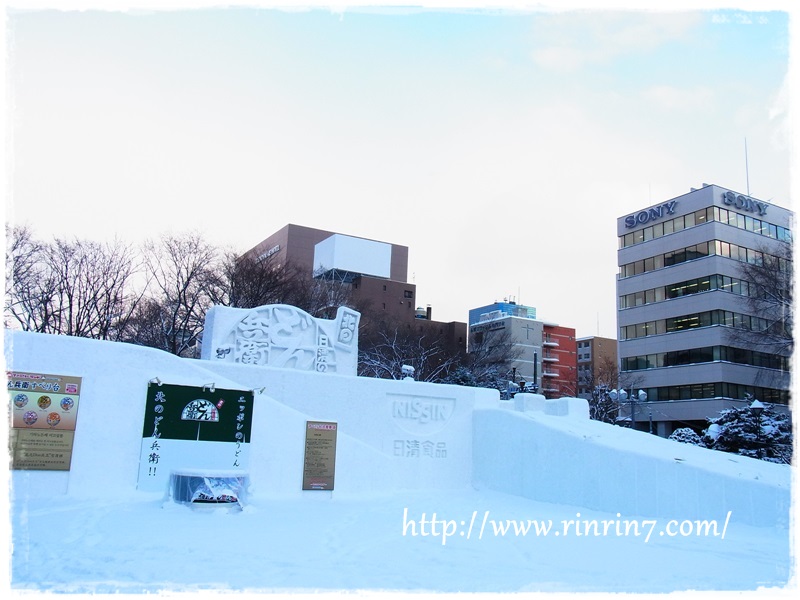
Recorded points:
(44, 415)
(319, 464)
(196, 428)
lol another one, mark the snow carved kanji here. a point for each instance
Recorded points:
(279, 335)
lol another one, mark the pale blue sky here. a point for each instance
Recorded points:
(499, 145)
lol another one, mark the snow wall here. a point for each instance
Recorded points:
(393, 436)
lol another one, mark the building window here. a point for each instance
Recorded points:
(708, 354)
(702, 250)
(710, 318)
(686, 288)
(715, 390)
(702, 216)
(408, 294)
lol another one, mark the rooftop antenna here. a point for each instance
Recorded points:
(746, 168)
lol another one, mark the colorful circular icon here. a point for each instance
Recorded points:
(53, 419)
(67, 403)
(30, 417)
(20, 400)
(44, 401)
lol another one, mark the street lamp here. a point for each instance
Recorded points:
(622, 396)
(757, 408)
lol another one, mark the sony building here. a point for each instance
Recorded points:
(683, 296)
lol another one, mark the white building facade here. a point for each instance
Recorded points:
(681, 293)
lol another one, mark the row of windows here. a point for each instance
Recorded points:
(687, 288)
(708, 354)
(716, 390)
(710, 248)
(705, 215)
(709, 318)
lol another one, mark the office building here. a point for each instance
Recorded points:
(682, 297)
(377, 273)
(546, 351)
(597, 364)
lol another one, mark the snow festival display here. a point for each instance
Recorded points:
(44, 413)
(198, 431)
(278, 335)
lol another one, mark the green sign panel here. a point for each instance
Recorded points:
(195, 428)
(206, 414)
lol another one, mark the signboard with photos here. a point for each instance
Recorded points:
(189, 427)
(44, 414)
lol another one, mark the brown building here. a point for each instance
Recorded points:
(376, 271)
(597, 364)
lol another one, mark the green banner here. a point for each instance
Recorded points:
(208, 414)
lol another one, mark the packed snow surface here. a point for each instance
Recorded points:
(491, 532)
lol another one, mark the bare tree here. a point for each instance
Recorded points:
(488, 361)
(387, 346)
(320, 296)
(249, 281)
(601, 380)
(78, 287)
(602, 407)
(769, 281)
(94, 295)
(185, 278)
(490, 354)
(30, 287)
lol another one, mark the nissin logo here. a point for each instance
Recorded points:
(417, 414)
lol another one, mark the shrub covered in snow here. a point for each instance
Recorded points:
(741, 431)
(687, 436)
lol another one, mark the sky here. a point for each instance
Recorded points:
(500, 144)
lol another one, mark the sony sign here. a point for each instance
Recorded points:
(744, 203)
(651, 214)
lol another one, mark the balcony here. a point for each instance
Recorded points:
(550, 359)
(549, 373)
(550, 343)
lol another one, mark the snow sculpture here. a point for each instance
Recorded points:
(279, 335)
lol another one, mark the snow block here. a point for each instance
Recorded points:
(524, 402)
(577, 408)
(561, 407)
(278, 335)
(613, 469)
(395, 436)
